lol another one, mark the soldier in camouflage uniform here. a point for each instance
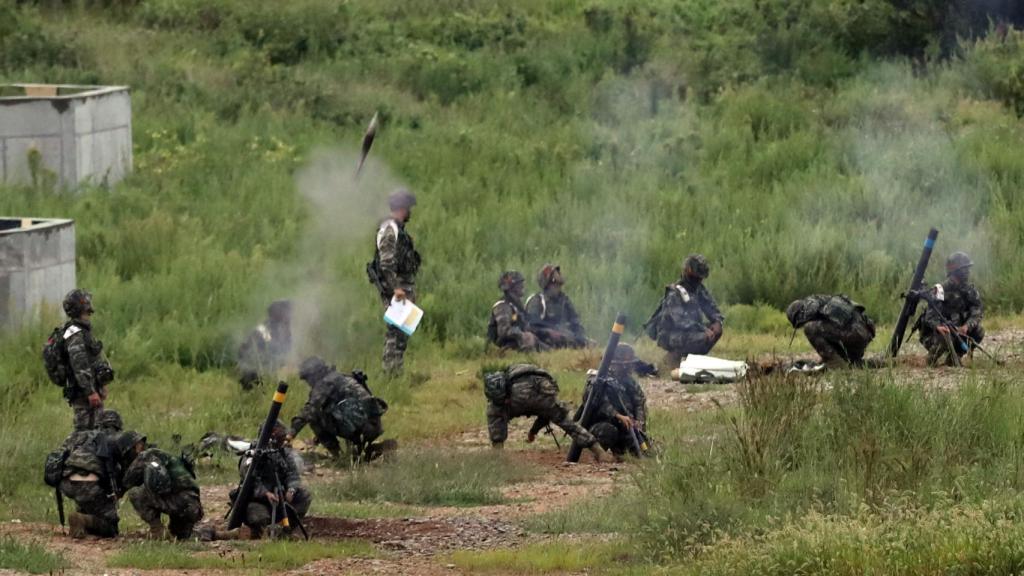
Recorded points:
(526, 390)
(624, 405)
(508, 327)
(265, 350)
(393, 270)
(952, 322)
(164, 484)
(838, 328)
(550, 312)
(678, 324)
(277, 477)
(90, 372)
(339, 405)
(93, 477)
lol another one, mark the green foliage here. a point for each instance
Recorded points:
(995, 67)
(33, 558)
(24, 42)
(281, 555)
(555, 557)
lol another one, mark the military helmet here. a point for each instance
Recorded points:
(401, 198)
(77, 302)
(312, 367)
(550, 274)
(697, 264)
(958, 261)
(111, 420)
(279, 310)
(509, 279)
(624, 354)
(126, 440)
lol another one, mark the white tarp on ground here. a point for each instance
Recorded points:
(697, 368)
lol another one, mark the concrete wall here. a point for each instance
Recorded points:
(83, 134)
(37, 268)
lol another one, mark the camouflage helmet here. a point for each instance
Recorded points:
(111, 420)
(957, 261)
(311, 368)
(697, 264)
(127, 440)
(550, 274)
(794, 312)
(401, 198)
(509, 279)
(624, 354)
(77, 302)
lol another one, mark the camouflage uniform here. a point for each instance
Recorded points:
(90, 372)
(265, 350)
(277, 468)
(838, 328)
(508, 327)
(678, 326)
(398, 264)
(93, 478)
(961, 306)
(531, 394)
(178, 499)
(327, 411)
(554, 320)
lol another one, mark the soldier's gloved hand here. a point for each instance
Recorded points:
(271, 497)
(95, 401)
(944, 330)
(625, 420)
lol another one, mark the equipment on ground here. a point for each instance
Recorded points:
(698, 369)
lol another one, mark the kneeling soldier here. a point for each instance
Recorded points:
(164, 484)
(278, 486)
(952, 323)
(838, 328)
(92, 477)
(622, 412)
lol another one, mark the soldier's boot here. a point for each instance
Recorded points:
(600, 455)
(77, 523)
(380, 449)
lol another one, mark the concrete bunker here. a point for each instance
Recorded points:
(37, 267)
(64, 134)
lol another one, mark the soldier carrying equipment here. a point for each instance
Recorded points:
(838, 328)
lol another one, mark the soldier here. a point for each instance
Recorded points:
(93, 477)
(508, 327)
(678, 324)
(164, 484)
(526, 390)
(622, 412)
(339, 405)
(550, 312)
(952, 322)
(838, 328)
(87, 368)
(265, 350)
(393, 271)
(277, 479)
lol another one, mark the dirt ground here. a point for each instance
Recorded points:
(421, 545)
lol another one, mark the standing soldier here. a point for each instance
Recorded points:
(508, 327)
(393, 270)
(551, 315)
(339, 405)
(622, 412)
(277, 483)
(952, 322)
(526, 390)
(88, 371)
(265, 350)
(164, 484)
(678, 324)
(838, 328)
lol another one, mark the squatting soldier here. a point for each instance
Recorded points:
(678, 324)
(952, 321)
(265, 350)
(550, 312)
(89, 371)
(339, 405)
(838, 328)
(93, 477)
(623, 410)
(393, 270)
(508, 326)
(277, 479)
(164, 484)
(526, 390)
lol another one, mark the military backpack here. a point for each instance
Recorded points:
(157, 478)
(55, 358)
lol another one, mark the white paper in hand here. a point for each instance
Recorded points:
(404, 315)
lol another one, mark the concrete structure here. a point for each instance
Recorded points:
(74, 133)
(37, 267)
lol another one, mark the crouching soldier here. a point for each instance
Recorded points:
(621, 422)
(550, 312)
(340, 405)
(951, 325)
(526, 390)
(164, 484)
(278, 489)
(838, 328)
(265, 349)
(678, 325)
(508, 326)
(92, 477)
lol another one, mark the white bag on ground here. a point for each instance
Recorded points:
(697, 368)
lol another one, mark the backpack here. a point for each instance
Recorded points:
(157, 478)
(349, 417)
(53, 470)
(55, 358)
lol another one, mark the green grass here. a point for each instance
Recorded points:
(30, 557)
(282, 555)
(546, 558)
(431, 477)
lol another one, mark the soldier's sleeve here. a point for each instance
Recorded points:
(507, 328)
(388, 249)
(930, 318)
(670, 305)
(710, 307)
(975, 308)
(291, 478)
(300, 420)
(81, 363)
